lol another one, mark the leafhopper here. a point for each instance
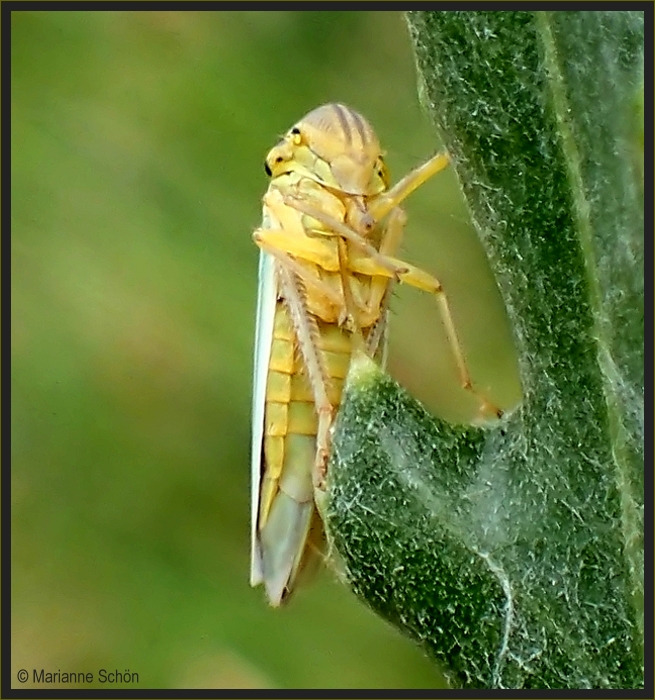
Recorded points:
(330, 230)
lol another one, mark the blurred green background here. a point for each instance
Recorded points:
(138, 142)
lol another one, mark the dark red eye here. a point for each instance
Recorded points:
(267, 169)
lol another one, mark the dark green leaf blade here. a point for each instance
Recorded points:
(515, 553)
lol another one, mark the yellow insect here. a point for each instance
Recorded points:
(331, 226)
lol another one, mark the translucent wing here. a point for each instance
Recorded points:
(266, 299)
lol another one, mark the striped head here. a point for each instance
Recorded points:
(333, 145)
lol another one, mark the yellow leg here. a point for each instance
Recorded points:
(290, 236)
(310, 248)
(415, 277)
(389, 243)
(286, 249)
(290, 244)
(306, 330)
(387, 201)
(351, 310)
(338, 228)
(314, 250)
(278, 244)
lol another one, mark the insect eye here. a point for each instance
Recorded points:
(296, 136)
(382, 171)
(267, 169)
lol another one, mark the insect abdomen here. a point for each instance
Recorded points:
(287, 496)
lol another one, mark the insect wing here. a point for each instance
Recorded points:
(266, 299)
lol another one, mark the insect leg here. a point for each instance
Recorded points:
(389, 243)
(307, 331)
(290, 249)
(290, 236)
(375, 306)
(381, 288)
(270, 242)
(343, 230)
(351, 310)
(415, 277)
(384, 203)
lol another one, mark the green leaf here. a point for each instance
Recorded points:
(514, 552)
